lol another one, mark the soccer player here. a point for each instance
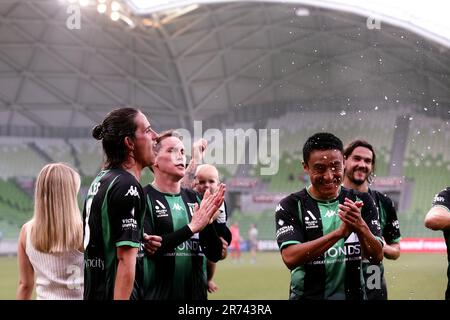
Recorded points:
(324, 230)
(438, 218)
(207, 178)
(359, 159)
(177, 271)
(114, 209)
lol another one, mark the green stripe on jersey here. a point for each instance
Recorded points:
(334, 256)
(183, 258)
(128, 243)
(109, 247)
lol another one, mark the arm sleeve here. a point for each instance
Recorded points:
(391, 231)
(287, 223)
(169, 240)
(125, 205)
(211, 243)
(370, 215)
(442, 199)
(173, 239)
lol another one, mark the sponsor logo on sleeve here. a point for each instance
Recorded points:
(129, 224)
(438, 199)
(283, 231)
(133, 191)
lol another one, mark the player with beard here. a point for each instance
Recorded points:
(324, 230)
(358, 172)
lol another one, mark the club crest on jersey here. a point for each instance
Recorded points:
(311, 221)
(160, 209)
(133, 192)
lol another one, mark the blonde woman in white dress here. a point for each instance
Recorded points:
(50, 246)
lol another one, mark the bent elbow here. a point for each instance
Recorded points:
(431, 224)
(289, 262)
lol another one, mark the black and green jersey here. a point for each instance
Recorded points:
(376, 288)
(442, 199)
(336, 274)
(112, 217)
(178, 269)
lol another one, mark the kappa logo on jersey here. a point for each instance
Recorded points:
(330, 213)
(133, 192)
(177, 207)
(278, 208)
(311, 221)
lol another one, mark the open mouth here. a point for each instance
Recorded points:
(181, 166)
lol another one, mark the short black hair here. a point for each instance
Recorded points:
(360, 143)
(321, 141)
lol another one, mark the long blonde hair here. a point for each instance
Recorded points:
(57, 225)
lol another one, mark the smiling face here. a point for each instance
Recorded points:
(359, 165)
(325, 170)
(170, 158)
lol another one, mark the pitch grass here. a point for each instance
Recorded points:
(412, 277)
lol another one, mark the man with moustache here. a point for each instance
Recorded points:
(324, 230)
(360, 159)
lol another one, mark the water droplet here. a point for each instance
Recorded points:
(385, 98)
(343, 113)
(376, 108)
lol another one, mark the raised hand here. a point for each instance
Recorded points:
(208, 207)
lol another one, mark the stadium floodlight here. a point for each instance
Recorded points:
(115, 6)
(84, 3)
(115, 16)
(101, 8)
(302, 12)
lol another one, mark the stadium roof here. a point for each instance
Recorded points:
(216, 60)
(428, 18)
